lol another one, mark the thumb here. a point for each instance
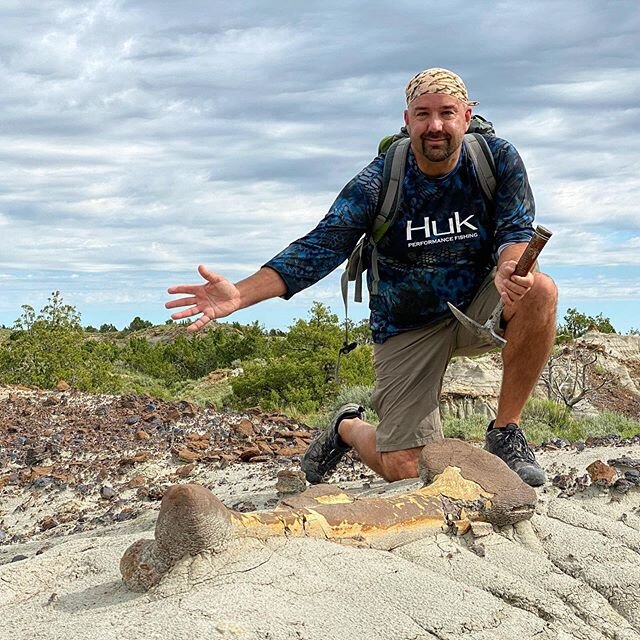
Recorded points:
(209, 276)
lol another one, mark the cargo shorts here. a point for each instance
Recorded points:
(409, 371)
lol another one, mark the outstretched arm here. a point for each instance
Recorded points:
(218, 297)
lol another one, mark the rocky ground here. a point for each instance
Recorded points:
(81, 478)
(72, 462)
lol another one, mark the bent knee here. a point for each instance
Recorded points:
(544, 291)
(399, 465)
(545, 288)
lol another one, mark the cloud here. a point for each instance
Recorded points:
(138, 139)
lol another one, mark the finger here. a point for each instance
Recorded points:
(507, 268)
(180, 302)
(527, 280)
(515, 289)
(184, 288)
(506, 299)
(186, 313)
(198, 324)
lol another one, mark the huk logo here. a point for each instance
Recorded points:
(432, 229)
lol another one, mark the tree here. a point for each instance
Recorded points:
(50, 346)
(107, 328)
(576, 324)
(570, 374)
(137, 324)
(299, 370)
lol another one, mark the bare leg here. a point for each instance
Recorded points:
(530, 333)
(391, 465)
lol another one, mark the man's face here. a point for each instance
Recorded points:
(437, 124)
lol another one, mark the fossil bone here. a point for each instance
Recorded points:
(462, 484)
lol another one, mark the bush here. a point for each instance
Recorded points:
(48, 347)
(194, 356)
(360, 394)
(302, 364)
(576, 324)
(551, 414)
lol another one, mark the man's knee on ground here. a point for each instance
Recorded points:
(398, 465)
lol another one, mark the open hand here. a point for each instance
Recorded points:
(217, 298)
(511, 287)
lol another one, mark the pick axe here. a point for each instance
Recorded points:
(487, 331)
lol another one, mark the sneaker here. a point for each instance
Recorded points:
(327, 448)
(510, 444)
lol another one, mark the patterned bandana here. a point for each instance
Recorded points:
(437, 81)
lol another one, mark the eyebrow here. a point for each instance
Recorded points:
(441, 108)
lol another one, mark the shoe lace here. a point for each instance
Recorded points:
(514, 439)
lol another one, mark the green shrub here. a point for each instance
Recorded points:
(300, 374)
(50, 346)
(360, 394)
(553, 415)
(471, 428)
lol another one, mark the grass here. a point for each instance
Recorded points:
(542, 420)
(205, 393)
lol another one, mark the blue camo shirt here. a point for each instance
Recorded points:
(440, 247)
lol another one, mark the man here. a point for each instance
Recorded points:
(446, 243)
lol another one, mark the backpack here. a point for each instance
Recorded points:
(397, 148)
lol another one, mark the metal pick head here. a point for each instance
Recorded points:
(484, 332)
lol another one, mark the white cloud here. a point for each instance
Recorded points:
(155, 136)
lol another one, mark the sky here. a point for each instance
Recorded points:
(141, 138)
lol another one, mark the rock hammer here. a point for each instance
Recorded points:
(487, 331)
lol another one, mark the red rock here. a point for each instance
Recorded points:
(287, 452)
(37, 472)
(185, 470)
(141, 456)
(199, 445)
(602, 474)
(186, 455)
(137, 481)
(265, 448)
(244, 429)
(292, 434)
(189, 409)
(261, 458)
(63, 386)
(172, 413)
(142, 435)
(291, 481)
(248, 454)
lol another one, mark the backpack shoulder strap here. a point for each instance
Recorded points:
(392, 176)
(484, 163)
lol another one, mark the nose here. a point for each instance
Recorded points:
(434, 124)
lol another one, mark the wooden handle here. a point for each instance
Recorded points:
(540, 237)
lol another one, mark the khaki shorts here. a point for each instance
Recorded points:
(409, 371)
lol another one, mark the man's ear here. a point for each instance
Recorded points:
(406, 119)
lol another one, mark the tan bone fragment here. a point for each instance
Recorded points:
(464, 484)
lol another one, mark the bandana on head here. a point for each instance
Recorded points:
(437, 81)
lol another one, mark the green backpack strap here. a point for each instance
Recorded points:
(392, 176)
(484, 163)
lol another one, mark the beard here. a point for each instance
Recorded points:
(440, 153)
